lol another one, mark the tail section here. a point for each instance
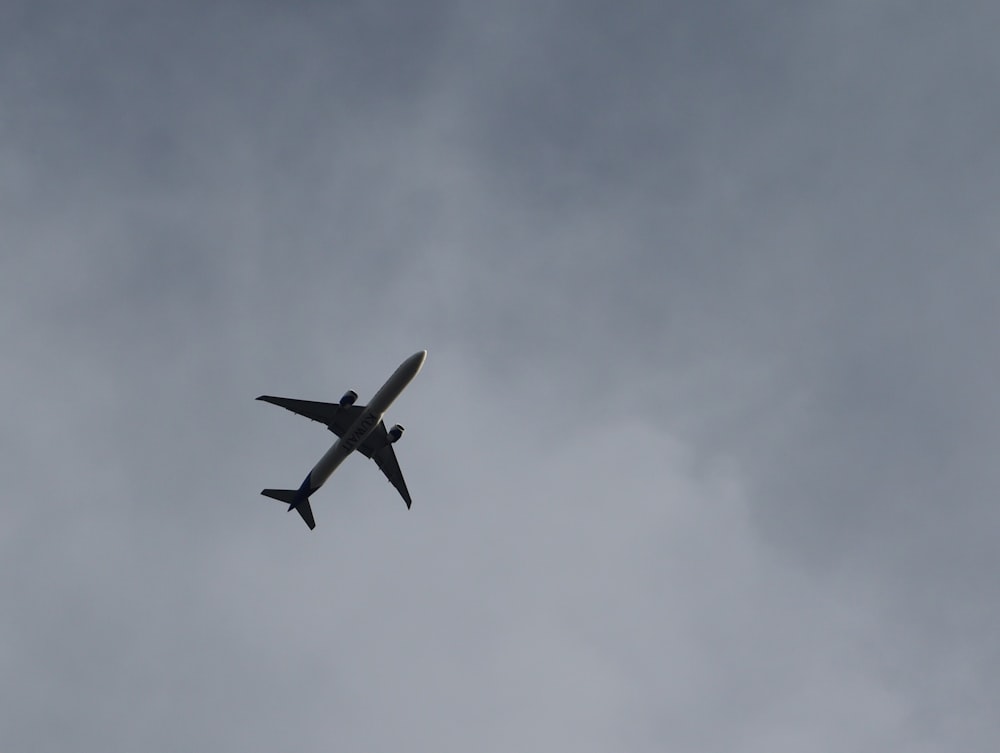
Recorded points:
(282, 495)
(296, 500)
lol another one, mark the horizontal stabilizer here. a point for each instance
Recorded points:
(295, 501)
(282, 495)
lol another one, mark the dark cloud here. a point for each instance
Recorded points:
(702, 453)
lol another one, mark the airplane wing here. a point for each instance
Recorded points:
(338, 418)
(378, 447)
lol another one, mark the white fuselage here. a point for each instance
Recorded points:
(366, 421)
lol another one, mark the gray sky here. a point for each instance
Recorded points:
(703, 456)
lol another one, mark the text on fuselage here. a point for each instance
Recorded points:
(351, 441)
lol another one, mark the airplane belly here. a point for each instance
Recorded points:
(328, 464)
(343, 447)
(360, 429)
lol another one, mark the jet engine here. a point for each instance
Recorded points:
(395, 433)
(348, 399)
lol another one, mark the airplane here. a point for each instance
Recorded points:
(358, 427)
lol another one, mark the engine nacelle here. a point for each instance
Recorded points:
(348, 399)
(395, 433)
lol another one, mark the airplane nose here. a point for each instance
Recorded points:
(415, 362)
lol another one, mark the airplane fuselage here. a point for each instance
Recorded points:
(364, 424)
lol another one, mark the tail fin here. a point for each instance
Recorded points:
(295, 501)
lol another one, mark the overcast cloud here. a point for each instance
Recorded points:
(703, 456)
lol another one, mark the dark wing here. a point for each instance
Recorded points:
(378, 447)
(338, 418)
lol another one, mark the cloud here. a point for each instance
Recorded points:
(702, 454)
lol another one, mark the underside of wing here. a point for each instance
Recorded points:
(338, 418)
(378, 447)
